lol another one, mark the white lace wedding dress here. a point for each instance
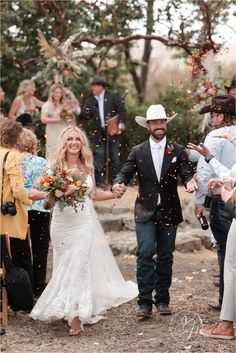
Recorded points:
(86, 280)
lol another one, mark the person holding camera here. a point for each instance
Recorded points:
(222, 107)
(14, 196)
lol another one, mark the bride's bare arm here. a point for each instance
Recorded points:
(102, 195)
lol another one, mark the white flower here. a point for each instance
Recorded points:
(58, 193)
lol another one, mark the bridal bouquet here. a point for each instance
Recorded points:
(64, 187)
(67, 116)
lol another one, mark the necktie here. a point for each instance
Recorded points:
(157, 160)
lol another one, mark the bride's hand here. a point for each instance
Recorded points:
(70, 189)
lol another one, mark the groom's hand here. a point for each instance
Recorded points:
(119, 190)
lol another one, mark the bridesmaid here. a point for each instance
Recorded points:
(25, 101)
(51, 116)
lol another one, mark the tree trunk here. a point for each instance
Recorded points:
(147, 48)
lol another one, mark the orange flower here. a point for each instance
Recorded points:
(41, 180)
(78, 183)
(49, 179)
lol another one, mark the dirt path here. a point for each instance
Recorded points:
(121, 331)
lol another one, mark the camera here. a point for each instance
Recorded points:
(8, 208)
(203, 222)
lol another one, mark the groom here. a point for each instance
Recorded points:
(158, 163)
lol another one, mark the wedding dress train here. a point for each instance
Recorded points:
(86, 280)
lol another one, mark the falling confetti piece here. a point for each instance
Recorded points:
(188, 347)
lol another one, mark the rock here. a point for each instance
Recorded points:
(116, 210)
(203, 235)
(128, 223)
(187, 244)
(110, 224)
(121, 210)
(123, 242)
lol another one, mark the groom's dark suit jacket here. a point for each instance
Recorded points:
(175, 162)
(113, 106)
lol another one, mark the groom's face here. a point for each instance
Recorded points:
(157, 128)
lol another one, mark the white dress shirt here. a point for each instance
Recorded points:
(100, 100)
(157, 152)
(221, 170)
(224, 151)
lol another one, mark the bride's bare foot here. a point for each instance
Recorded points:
(75, 328)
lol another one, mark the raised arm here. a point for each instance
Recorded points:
(38, 102)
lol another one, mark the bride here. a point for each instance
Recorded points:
(86, 280)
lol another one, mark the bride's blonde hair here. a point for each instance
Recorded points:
(86, 156)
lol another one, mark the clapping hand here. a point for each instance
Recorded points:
(191, 185)
(201, 148)
(119, 190)
(215, 183)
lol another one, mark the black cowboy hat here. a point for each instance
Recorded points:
(220, 104)
(25, 119)
(99, 80)
(232, 85)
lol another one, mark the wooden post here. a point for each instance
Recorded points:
(107, 160)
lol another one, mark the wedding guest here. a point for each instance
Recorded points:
(2, 96)
(158, 163)
(224, 329)
(102, 107)
(86, 280)
(38, 217)
(14, 192)
(231, 89)
(26, 121)
(25, 101)
(222, 106)
(52, 116)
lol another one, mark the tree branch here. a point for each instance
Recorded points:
(125, 40)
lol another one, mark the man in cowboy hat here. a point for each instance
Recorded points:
(105, 107)
(158, 163)
(222, 108)
(26, 120)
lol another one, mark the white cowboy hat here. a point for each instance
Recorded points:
(154, 112)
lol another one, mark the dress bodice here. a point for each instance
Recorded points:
(23, 108)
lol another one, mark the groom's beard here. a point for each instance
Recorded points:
(158, 134)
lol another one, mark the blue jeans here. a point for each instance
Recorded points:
(156, 244)
(220, 222)
(115, 143)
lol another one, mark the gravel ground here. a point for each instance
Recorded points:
(121, 331)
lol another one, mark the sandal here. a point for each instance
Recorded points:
(217, 331)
